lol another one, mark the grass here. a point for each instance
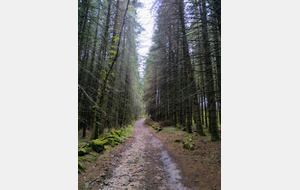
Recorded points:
(170, 129)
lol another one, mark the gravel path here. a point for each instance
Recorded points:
(145, 165)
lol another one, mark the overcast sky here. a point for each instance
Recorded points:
(147, 22)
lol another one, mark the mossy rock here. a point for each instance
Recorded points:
(188, 143)
(106, 148)
(154, 126)
(113, 143)
(113, 133)
(97, 145)
(110, 141)
(119, 132)
(177, 140)
(82, 151)
(105, 141)
(158, 129)
(111, 136)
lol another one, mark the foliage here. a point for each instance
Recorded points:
(188, 143)
(183, 68)
(109, 85)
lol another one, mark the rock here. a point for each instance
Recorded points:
(82, 151)
(97, 145)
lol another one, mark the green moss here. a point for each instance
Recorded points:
(95, 157)
(83, 151)
(177, 140)
(122, 138)
(112, 139)
(97, 145)
(119, 132)
(105, 141)
(106, 148)
(80, 166)
(158, 129)
(82, 158)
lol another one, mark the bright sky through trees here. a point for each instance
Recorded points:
(147, 21)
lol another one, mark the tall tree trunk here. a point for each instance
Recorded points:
(217, 48)
(190, 70)
(98, 98)
(213, 128)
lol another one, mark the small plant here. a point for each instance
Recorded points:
(188, 143)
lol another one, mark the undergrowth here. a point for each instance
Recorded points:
(170, 129)
(111, 137)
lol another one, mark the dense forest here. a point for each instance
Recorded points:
(109, 85)
(139, 113)
(182, 82)
(183, 70)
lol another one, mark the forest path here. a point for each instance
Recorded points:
(145, 165)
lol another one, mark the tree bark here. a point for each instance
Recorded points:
(190, 71)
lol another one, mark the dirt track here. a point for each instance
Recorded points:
(145, 165)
